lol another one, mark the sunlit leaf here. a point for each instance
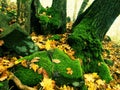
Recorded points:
(3, 76)
(69, 71)
(34, 67)
(36, 59)
(24, 63)
(47, 84)
(56, 61)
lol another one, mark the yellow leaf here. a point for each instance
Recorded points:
(100, 82)
(34, 67)
(24, 63)
(47, 45)
(69, 71)
(56, 61)
(48, 84)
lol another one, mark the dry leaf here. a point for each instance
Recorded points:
(1, 42)
(100, 82)
(24, 63)
(4, 75)
(48, 84)
(56, 61)
(36, 59)
(43, 72)
(40, 70)
(34, 67)
(47, 45)
(69, 71)
(1, 30)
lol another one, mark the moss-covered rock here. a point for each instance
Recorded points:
(57, 71)
(18, 40)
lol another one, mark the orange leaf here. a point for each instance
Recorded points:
(24, 63)
(4, 76)
(43, 72)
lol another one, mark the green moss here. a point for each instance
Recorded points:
(66, 62)
(109, 62)
(104, 72)
(57, 71)
(55, 37)
(27, 76)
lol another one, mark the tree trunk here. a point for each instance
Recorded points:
(24, 14)
(59, 7)
(102, 14)
(91, 28)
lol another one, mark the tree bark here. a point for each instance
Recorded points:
(59, 7)
(24, 14)
(91, 28)
(101, 14)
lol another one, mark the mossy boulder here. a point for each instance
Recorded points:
(17, 40)
(56, 71)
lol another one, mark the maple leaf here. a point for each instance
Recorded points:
(47, 84)
(56, 61)
(69, 71)
(34, 67)
(88, 78)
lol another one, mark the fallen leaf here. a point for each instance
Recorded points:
(34, 67)
(43, 72)
(56, 61)
(100, 82)
(69, 71)
(24, 63)
(1, 30)
(1, 42)
(48, 84)
(36, 59)
(4, 75)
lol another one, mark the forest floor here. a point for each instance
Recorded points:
(111, 52)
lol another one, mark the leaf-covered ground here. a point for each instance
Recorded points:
(111, 54)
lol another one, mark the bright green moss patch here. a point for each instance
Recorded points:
(61, 68)
(57, 71)
(104, 72)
